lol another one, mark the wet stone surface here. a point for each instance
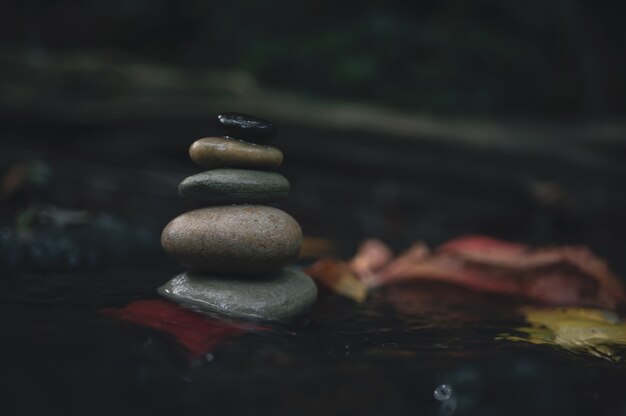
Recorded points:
(246, 127)
(280, 297)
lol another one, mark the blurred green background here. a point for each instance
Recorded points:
(421, 120)
(487, 58)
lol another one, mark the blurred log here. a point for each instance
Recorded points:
(357, 170)
(87, 89)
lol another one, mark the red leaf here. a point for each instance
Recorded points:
(372, 256)
(199, 334)
(567, 275)
(338, 277)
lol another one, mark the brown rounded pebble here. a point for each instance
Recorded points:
(217, 152)
(244, 239)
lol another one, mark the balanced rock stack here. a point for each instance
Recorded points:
(237, 251)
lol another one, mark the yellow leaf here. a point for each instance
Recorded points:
(591, 331)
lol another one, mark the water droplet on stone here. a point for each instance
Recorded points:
(443, 392)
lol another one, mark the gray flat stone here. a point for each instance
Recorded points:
(281, 297)
(234, 186)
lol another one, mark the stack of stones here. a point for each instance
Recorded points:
(237, 250)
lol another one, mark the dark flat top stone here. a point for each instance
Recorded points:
(225, 152)
(246, 127)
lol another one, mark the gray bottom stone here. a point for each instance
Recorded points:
(282, 297)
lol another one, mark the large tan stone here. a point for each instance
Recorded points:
(234, 239)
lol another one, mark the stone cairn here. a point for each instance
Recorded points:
(235, 249)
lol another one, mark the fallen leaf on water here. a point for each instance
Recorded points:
(558, 276)
(591, 331)
(442, 304)
(352, 279)
(316, 247)
(339, 278)
(371, 257)
(199, 334)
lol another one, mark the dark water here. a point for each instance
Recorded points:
(61, 354)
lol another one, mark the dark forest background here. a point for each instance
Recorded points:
(406, 121)
(540, 58)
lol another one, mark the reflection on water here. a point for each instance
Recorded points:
(389, 355)
(447, 407)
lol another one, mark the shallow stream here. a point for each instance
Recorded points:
(63, 351)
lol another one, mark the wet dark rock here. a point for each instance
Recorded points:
(234, 186)
(246, 127)
(280, 297)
